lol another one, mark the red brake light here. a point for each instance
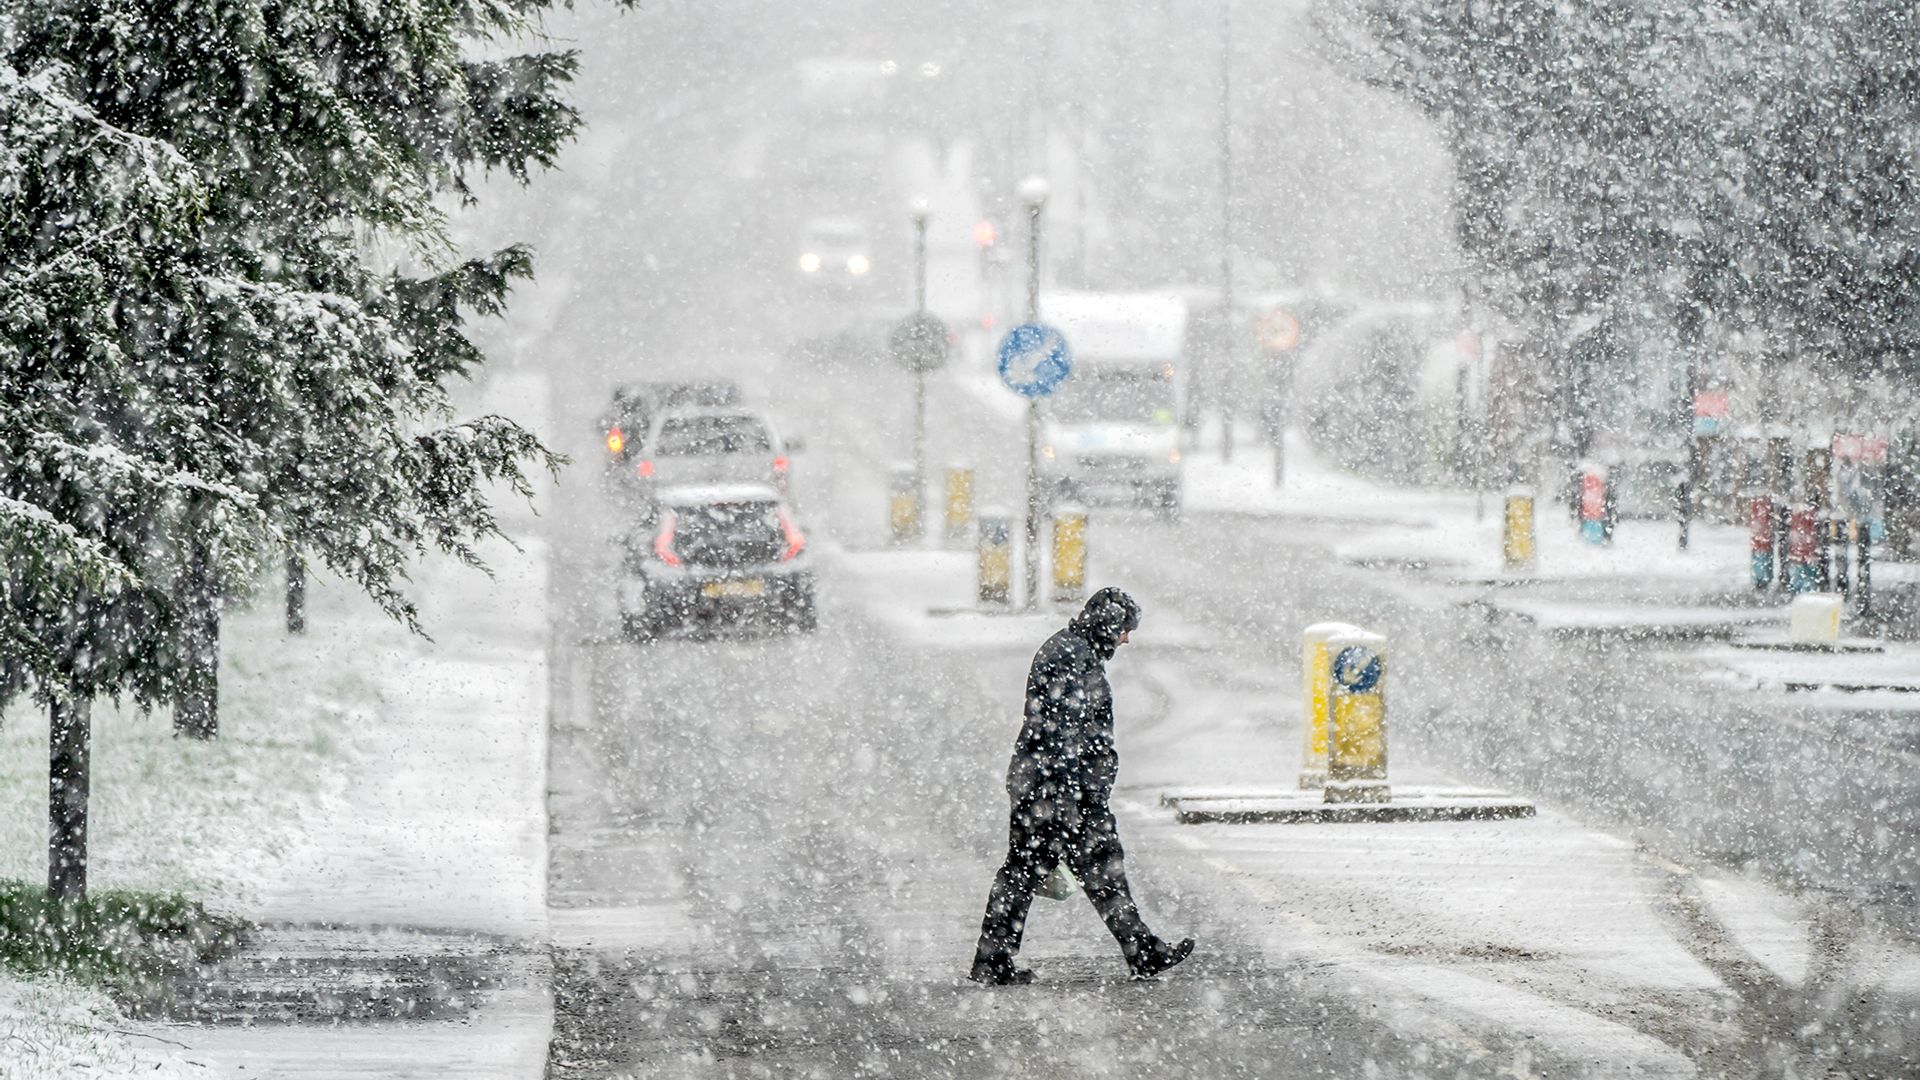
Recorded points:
(663, 544)
(645, 469)
(780, 463)
(795, 541)
(616, 440)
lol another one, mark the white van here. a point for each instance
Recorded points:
(1111, 432)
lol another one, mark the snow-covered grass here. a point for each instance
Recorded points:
(52, 1030)
(118, 938)
(211, 820)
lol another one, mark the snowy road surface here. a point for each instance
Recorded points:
(769, 852)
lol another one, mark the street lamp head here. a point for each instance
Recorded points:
(1033, 191)
(917, 209)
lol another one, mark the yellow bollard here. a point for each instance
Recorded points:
(959, 501)
(1357, 719)
(1069, 553)
(995, 565)
(903, 506)
(1516, 534)
(1315, 681)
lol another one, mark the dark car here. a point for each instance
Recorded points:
(717, 555)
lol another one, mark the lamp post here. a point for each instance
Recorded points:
(1033, 192)
(917, 210)
(1229, 352)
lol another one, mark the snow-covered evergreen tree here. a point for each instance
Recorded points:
(203, 366)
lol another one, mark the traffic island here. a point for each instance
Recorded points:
(1311, 807)
(1343, 778)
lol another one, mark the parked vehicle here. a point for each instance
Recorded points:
(1111, 432)
(717, 554)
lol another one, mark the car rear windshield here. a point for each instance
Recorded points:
(717, 392)
(686, 435)
(730, 534)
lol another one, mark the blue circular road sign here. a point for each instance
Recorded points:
(1356, 669)
(1034, 360)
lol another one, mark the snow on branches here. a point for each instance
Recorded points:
(1754, 160)
(203, 367)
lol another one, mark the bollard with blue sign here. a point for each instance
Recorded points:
(1344, 679)
(1357, 719)
(1316, 688)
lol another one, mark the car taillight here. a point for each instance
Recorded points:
(795, 541)
(780, 463)
(663, 544)
(645, 469)
(616, 441)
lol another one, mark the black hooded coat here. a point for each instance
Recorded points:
(1065, 747)
(1061, 776)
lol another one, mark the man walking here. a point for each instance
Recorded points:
(1061, 775)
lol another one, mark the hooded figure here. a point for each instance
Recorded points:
(1059, 780)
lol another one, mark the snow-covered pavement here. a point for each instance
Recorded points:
(777, 847)
(436, 824)
(1604, 955)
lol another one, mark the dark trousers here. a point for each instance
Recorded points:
(1044, 832)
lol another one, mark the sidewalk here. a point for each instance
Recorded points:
(1455, 533)
(1446, 544)
(430, 852)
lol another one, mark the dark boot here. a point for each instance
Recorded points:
(1157, 956)
(997, 969)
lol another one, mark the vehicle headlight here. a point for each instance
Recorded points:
(1047, 452)
(858, 264)
(1173, 456)
(809, 263)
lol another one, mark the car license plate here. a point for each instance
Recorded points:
(742, 587)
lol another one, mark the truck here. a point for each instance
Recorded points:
(1111, 432)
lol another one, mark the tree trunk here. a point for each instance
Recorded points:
(196, 701)
(67, 784)
(296, 594)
